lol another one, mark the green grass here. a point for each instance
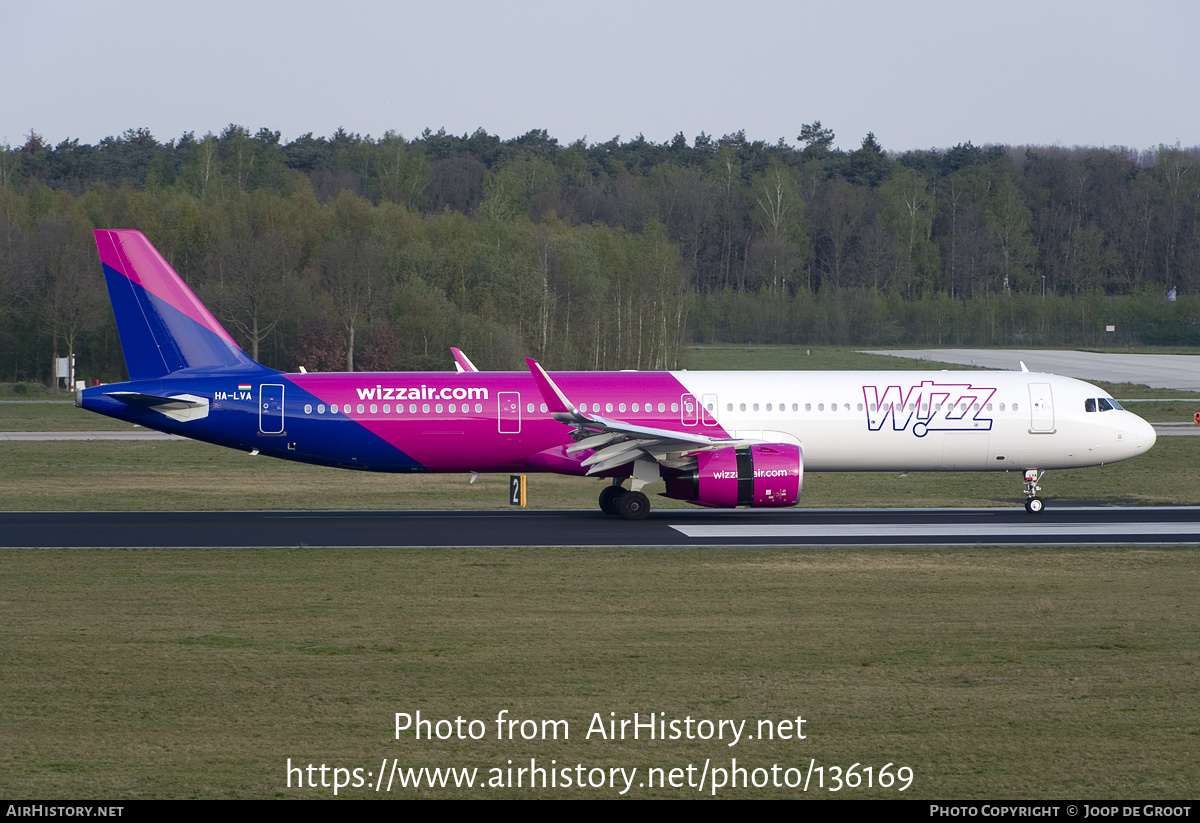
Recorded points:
(992, 673)
(32, 391)
(54, 416)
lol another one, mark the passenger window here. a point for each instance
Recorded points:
(741, 407)
(756, 407)
(635, 406)
(808, 406)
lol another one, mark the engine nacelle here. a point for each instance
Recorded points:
(766, 475)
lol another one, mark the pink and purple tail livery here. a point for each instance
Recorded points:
(164, 327)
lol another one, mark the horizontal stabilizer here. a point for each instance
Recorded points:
(180, 407)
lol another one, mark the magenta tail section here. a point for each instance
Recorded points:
(164, 327)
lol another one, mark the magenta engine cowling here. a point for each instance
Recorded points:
(767, 475)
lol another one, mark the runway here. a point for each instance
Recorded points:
(1162, 371)
(1062, 525)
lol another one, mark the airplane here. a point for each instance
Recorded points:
(715, 439)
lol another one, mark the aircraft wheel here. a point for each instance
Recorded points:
(609, 498)
(1034, 505)
(634, 505)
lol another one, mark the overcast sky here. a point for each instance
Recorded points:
(919, 74)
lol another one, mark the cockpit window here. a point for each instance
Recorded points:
(1108, 404)
(1089, 405)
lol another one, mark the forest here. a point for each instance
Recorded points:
(356, 253)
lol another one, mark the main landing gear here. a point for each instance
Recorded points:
(629, 504)
(1033, 503)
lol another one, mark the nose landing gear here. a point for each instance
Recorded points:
(1033, 503)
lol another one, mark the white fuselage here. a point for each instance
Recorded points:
(924, 421)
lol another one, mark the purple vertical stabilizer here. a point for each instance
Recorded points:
(164, 328)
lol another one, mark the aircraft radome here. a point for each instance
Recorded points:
(716, 439)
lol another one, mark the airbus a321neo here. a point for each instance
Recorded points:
(717, 439)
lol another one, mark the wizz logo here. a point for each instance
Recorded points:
(929, 407)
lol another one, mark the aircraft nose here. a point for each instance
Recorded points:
(1141, 435)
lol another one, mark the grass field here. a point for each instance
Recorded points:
(989, 672)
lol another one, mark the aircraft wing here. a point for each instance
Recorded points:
(616, 442)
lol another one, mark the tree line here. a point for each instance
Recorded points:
(350, 252)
